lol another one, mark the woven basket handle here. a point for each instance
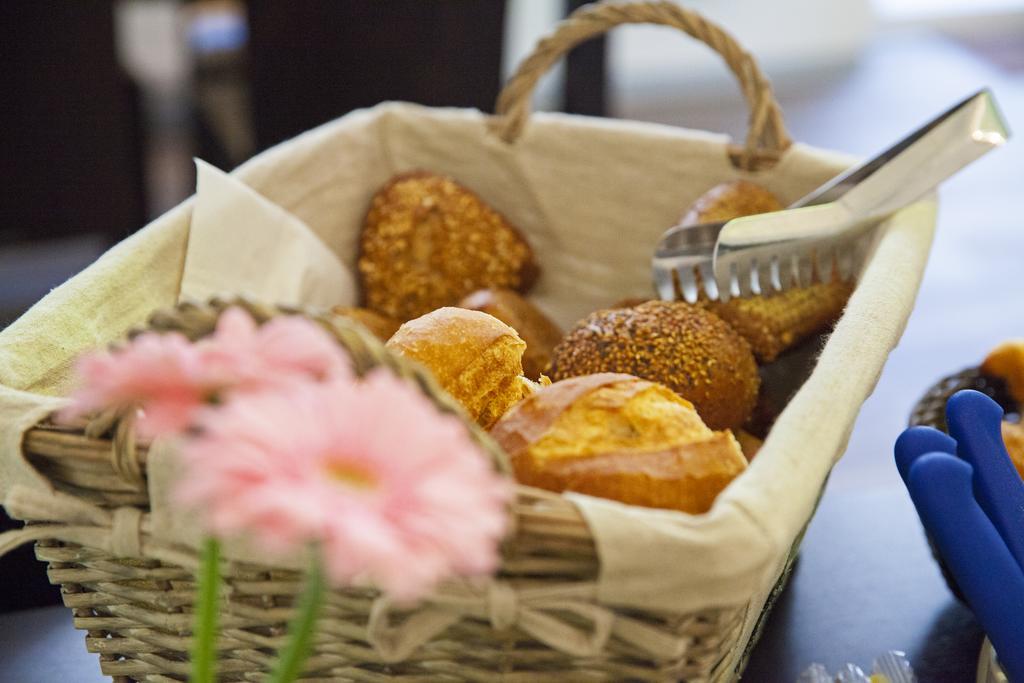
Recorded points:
(766, 139)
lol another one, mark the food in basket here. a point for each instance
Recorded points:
(775, 323)
(428, 241)
(630, 302)
(749, 443)
(474, 357)
(537, 330)
(731, 200)
(1013, 437)
(381, 326)
(686, 348)
(619, 437)
(1006, 361)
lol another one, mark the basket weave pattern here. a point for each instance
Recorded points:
(930, 409)
(137, 611)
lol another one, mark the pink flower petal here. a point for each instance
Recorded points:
(393, 491)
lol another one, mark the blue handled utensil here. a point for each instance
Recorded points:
(973, 509)
(915, 442)
(975, 423)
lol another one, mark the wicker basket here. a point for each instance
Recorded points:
(561, 608)
(930, 410)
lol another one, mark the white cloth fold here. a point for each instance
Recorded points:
(241, 243)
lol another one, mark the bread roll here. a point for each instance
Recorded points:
(684, 347)
(536, 329)
(428, 241)
(473, 356)
(731, 200)
(631, 301)
(749, 443)
(1006, 362)
(381, 326)
(619, 437)
(778, 322)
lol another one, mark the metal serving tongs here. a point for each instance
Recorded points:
(824, 230)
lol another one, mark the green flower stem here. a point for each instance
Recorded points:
(204, 630)
(301, 629)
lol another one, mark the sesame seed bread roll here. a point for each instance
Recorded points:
(688, 349)
(776, 323)
(772, 324)
(428, 241)
(619, 437)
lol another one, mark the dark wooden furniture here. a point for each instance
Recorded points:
(586, 74)
(315, 60)
(70, 152)
(70, 163)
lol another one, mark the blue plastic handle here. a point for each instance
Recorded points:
(975, 423)
(917, 441)
(942, 490)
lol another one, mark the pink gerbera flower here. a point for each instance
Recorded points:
(393, 491)
(162, 372)
(247, 357)
(171, 380)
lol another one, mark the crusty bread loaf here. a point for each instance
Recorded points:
(474, 357)
(686, 348)
(428, 241)
(537, 330)
(619, 437)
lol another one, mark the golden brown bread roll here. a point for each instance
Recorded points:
(619, 437)
(630, 302)
(1013, 437)
(381, 326)
(536, 329)
(1006, 361)
(473, 356)
(749, 443)
(731, 200)
(775, 323)
(686, 348)
(428, 241)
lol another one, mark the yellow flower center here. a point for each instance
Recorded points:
(351, 475)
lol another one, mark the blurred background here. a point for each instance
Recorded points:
(105, 104)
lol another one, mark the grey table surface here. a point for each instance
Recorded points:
(865, 582)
